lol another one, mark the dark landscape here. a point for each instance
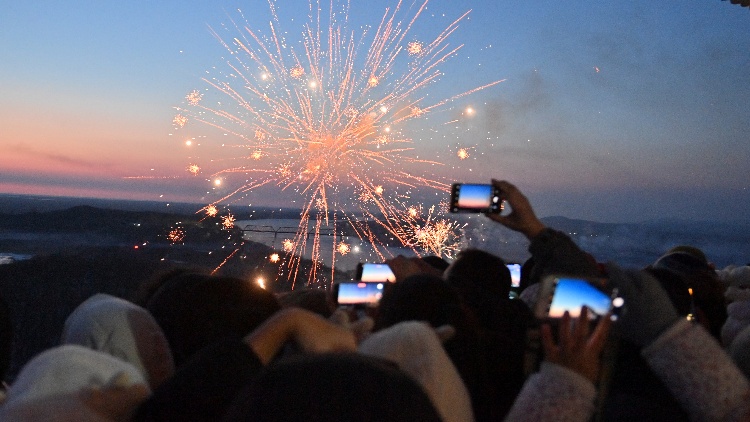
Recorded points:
(75, 250)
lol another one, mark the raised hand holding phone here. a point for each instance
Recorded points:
(577, 349)
(521, 217)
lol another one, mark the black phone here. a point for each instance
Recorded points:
(472, 197)
(358, 293)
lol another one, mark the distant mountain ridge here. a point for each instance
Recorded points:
(627, 243)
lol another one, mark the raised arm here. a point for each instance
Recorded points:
(553, 251)
(693, 366)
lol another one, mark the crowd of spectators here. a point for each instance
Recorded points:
(447, 342)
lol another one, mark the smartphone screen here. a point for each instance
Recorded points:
(357, 293)
(570, 294)
(466, 197)
(369, 271)
(515, 275)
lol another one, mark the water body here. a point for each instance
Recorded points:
(273, 232)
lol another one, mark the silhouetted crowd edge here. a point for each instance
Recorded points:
(447, 342)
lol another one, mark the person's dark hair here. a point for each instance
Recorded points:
(332, 387)
(676, 287)
(6, 338)
(195, 310)
(708, 291)
(478, 274)
(436, 262)
(151, 285)
(420, 297)
(427, 298)
(314, 300)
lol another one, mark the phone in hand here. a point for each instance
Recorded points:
(369, 271)
(515, 279)
(515, 275)
(358, 293)
(559, 294)
(476, 198)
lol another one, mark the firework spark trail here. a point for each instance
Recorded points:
(328, 123)
(230, 256)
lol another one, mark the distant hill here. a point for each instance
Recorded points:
(639, 244)
(22, 204)
(83, 250)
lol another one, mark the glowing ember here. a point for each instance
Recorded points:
(274, 258)
(415, 48)
(256, 155)
(194, 169)
(177, 235)
(297, 72)
(212, 211)
(227, 221)
(343, 248)
(194, 98)
(373, 81)
(463, 153)
(287, 245)
(180, 120)
(351, 113)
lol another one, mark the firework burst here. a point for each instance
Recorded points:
(435, 235)
(194, 169)
(227, 222)
(211, 211)
(176, 235)
(328, 120)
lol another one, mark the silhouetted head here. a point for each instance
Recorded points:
(196, 310)
(314, 300)
(436, 262)
(707, 289)
(420, 297)
(332, 387)
(478, 275)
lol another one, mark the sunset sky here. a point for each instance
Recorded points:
(610, 111)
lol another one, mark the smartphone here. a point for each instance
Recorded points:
(369, 271)
(561, 293)
(358, 293)
(467, 197)
(515, 275)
